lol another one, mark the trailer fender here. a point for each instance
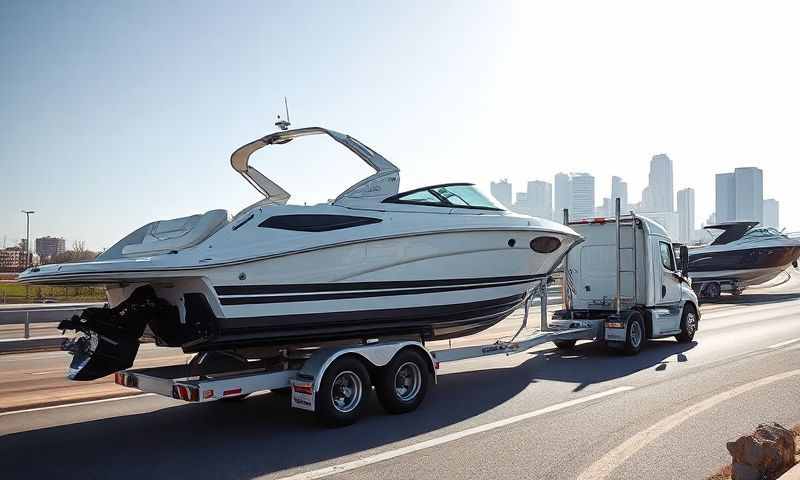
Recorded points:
(376, 355)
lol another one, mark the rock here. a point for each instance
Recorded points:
(764, 454)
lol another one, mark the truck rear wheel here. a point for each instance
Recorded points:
(343, 392)
(564, 344)
(403, 383)
(635, 335)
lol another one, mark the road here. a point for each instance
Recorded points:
(663, 414)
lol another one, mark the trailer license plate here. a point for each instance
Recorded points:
(302, 394)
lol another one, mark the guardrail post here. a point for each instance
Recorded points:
(543, 305)
(27, 325)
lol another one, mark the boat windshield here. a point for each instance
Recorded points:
(763, 232)
(455, 195)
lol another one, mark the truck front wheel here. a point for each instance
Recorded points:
(688, 325)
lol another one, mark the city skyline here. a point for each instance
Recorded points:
(676, 211)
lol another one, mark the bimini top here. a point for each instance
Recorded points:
(378, 186)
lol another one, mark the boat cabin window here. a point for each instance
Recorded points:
(667, 256)
(456, 195)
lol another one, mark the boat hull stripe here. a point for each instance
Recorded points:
(351, 295)
(353, 286)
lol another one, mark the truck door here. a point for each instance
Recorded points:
(668, 299)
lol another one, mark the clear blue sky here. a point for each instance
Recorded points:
(119, 113)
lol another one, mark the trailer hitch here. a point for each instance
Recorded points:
(108, 338)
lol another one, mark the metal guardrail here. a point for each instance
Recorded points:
(27, 317)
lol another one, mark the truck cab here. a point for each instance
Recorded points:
(626, 282)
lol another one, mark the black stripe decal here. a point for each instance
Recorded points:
(349, 295)
(427, 314)
(345, 286)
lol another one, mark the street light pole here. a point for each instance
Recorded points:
(28, 237)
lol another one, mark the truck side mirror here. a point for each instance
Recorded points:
(684, 261)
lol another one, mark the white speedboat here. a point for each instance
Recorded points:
(434, 262)
(741, 256)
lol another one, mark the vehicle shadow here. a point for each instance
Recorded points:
(751, 299)
(263, 435)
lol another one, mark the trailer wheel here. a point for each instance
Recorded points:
(343, 392)
(688, 325)
(565, 344)
(713, 290)
(635, 334)
(403, 383)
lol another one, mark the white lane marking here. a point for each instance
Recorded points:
(783, 344)
(362, 462)
(617, 456)
(76, 404)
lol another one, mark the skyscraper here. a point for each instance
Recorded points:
(740, 195)
(562, 195)
(502, 192)
(540, 199)
(521, 204)
(582, 198)
(619, 189)
(659, 196)
(771, 213)
(749, 194)
(725, 197)
(685, 215)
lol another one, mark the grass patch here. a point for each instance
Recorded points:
(18, 293)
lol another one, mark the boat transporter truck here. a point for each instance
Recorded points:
(621, 286)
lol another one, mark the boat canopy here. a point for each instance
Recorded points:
(382, 184)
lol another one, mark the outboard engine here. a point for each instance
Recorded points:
(108, 338)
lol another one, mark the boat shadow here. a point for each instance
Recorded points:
(263, 435)
(751, 299)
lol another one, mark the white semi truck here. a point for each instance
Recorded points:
(621, 286)
(625, 285)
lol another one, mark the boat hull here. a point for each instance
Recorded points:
(743, 266)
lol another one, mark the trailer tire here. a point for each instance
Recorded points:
(343, 392)
(688, 324)
(635, 334)
(565, 344)
(402, 384)
(712, 290)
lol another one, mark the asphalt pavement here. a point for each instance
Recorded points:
(663, 414)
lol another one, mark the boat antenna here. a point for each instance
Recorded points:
(284, 124)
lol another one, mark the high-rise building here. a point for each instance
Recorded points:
(771, 213)
(582, 197)
(740, 195)
(659, 196)
(502, 192)
(562, 195)
(606, 209)
(521, 204)
(540, 199)
(686, 215)
(12, 259)
(619, 189)
(725, 197)
(48, 247)
(749, 194)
